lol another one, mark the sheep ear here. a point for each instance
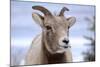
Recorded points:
(38, 19)
(71, 21)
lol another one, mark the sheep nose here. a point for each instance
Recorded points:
(66, 41)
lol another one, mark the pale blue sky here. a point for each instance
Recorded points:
(24, 29)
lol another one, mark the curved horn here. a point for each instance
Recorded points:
(63, 10)
(42, 9)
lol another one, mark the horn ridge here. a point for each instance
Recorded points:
(42, 9)
(63, 10)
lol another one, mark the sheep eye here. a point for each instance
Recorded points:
(48, 27)
(68, 27)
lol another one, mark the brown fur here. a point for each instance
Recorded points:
(38, 54)
(45, 46)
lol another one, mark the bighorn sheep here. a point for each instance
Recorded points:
(52, 45)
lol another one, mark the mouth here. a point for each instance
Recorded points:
(65, 46)
(63, 49)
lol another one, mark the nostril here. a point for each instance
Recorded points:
(66, 41)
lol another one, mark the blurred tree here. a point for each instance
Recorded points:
(89, 55)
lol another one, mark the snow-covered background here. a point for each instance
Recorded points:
(24, 29)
